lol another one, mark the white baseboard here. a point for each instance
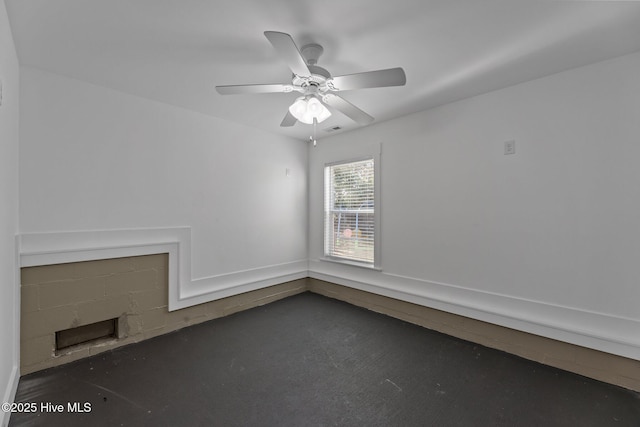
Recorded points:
(225, 285)
(9, 394)
(599, 331)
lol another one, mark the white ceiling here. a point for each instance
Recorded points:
(176, 51)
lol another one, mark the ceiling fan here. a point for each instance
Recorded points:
(317, 86)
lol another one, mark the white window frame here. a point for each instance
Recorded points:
(374, 155)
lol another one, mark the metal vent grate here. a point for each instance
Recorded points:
(332, 129)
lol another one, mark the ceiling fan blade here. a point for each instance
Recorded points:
(379, 78)
(288, 120)
(347, 108)
(287, 49)
(249, 89)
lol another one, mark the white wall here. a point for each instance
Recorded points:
(546, 240)
(9, 302)
(97, 159)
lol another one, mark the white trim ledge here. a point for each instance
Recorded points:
(75, 246)
(599, 331)
(351, 263)
(604, 332)
(225, 285)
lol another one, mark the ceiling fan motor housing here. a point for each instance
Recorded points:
(315, 82)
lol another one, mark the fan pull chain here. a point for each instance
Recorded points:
(315, 122)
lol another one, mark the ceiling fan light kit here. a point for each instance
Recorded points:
(305, 109)
(317, 86)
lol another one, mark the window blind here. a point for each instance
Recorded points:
(350, 211)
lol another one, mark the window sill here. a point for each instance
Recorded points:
(351, 263)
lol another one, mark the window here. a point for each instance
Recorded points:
(349, 211)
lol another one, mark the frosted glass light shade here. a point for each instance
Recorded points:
(305, 110)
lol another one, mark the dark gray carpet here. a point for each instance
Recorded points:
(312, 361)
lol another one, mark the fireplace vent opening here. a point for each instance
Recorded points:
(91, 333)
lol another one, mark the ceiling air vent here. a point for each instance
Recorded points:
(333, 129)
